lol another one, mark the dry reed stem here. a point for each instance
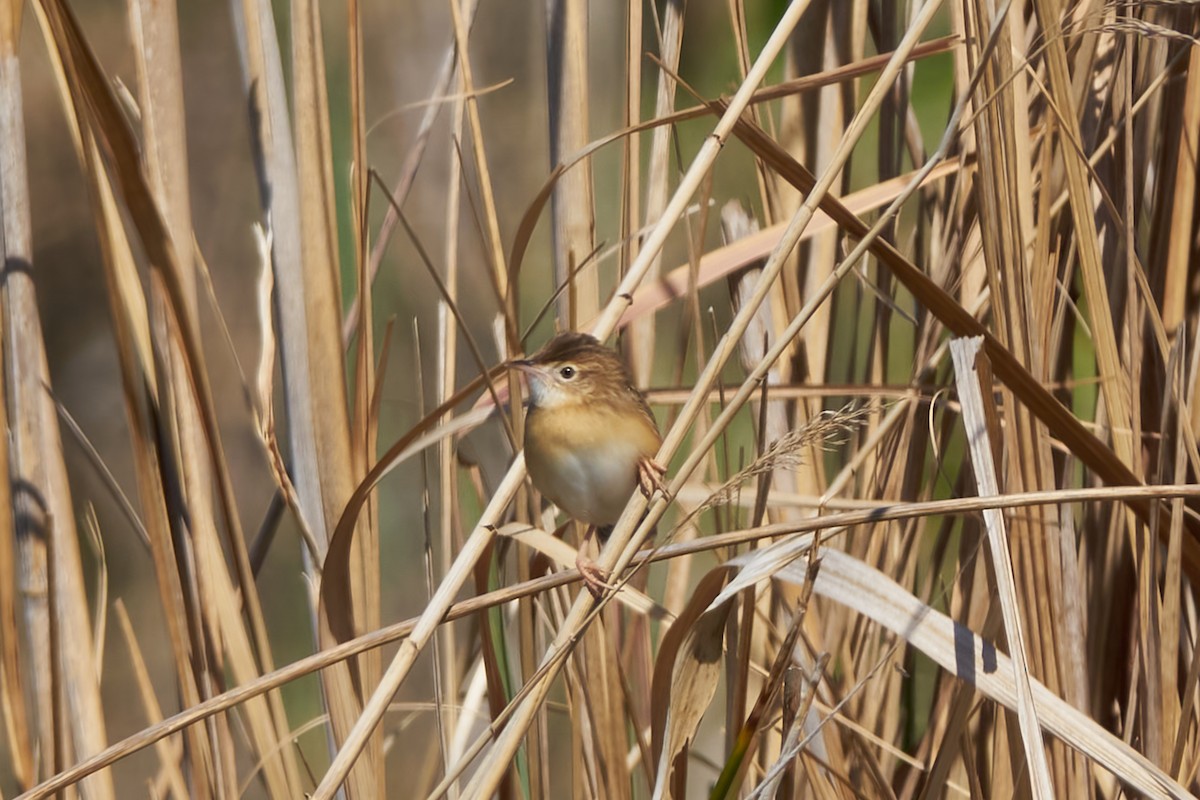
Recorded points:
(68, 714)
(658, 172)
(170, 754)
(450, 723)
(572, 207)
(618, 552)
(979, 418)
(505, 491)
(398, 631)
(494, 247)
(865, 589)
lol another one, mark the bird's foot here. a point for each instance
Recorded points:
(650, 476)
(595, 578)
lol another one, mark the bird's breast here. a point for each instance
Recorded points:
(586, 461)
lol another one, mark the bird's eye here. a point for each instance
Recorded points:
(567, 373)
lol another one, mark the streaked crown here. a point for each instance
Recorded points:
(574, 367)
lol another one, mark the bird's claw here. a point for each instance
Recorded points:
(595, 578)
(650, 477)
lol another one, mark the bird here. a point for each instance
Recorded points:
(590, 437)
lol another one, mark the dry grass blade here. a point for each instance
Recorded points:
(686, 675)
(365, 419)
(1184, 203)
(169, 753)
(793, 545)
(17, 722)
(264, 386)
(1114, 384)
(50, 572)
(658, 184)
(481, 536)
(572, 205)
(449, 523)
(621, 546)
(13, 707)
(1065, 426)
(975, 660)
(979, 418)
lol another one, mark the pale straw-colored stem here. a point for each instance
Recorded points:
(482, 535)
(625, 540)
(971, 393)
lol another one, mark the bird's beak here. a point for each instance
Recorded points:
(534, 374)
(525, 365)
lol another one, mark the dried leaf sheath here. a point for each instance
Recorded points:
(49, 575)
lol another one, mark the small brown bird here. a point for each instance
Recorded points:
(590, 438)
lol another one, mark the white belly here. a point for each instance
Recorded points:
(591, 484)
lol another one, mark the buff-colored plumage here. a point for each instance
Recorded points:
(588, 430)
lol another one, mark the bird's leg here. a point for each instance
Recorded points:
(539, 563)
(650, 476)
(650, 479)
(593, 576)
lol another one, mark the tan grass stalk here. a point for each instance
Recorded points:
(465, 608)
(447, 378)
(503, 494)
(982, 426)
(658, 172)
(170, 754)
(14, 222)
(493, 246)
(631, 160)
(810, 128)
(161, 105)
(1114, 384)
(873, 594)
(618, 552)
(572, 205)
(13, 707)
(365, 419)
(30, 550)
(50, 572)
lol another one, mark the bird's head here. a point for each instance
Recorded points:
(574, 368)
